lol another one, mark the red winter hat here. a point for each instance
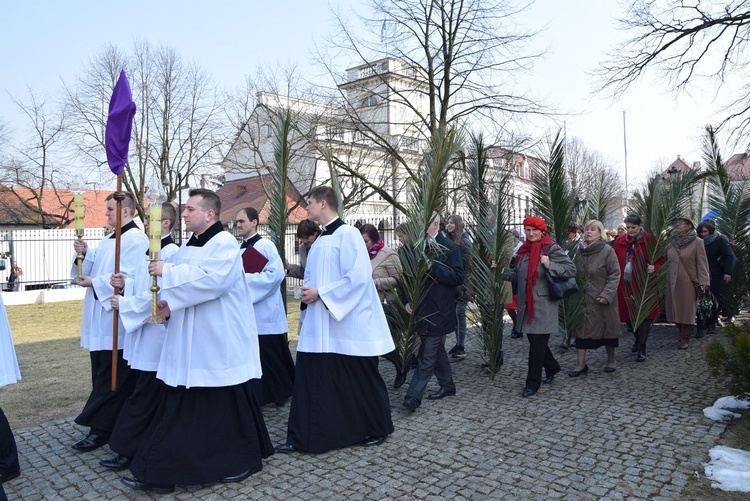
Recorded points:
(535, 222)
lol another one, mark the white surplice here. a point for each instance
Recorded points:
(270, 316)
(211, 338)
(99, 264)
(9, 372)
(143, 342)
(348, 318)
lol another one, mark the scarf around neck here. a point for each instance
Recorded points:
(534, 250)
(711, 238)
(373, 251)
(682, 240)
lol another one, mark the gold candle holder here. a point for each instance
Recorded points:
(156, 197)
(79, 222)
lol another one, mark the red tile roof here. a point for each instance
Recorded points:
(248, 192)
(19, 207)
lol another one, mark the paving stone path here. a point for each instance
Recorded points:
(636, 433)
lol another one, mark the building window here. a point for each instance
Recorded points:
(370, 101)
(269, 131)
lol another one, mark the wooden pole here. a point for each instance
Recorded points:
(119, 196)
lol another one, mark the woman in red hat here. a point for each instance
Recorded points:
(536, 312)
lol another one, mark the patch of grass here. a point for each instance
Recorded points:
(55, 370)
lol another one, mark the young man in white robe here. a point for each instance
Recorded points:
(339, 397)
(208, 426)
(142, 350)
(270, 315)
(103, 405)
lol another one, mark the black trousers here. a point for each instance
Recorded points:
(540, 356)
(104, 405)
(8, 451)
(432, 359)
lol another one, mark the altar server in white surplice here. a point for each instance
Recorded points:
(9, 374)
(208, 426)
(103, 405)
(339, 397)
(141, 349)
(270, 316)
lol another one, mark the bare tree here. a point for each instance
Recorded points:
(594, 181)
(177, 131)
(424, 66)
(30, 173)
(701, 42)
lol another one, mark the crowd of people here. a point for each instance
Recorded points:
(189, 392)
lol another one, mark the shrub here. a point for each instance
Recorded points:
(732, 364)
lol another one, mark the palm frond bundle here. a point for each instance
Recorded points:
(276, 192)
(731, 202)
(427, 197)
(490, 200)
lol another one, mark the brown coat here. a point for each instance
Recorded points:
(386, 270)
(600, 276)
(686, 266)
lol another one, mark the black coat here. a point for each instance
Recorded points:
(446, 275)
(721, 261)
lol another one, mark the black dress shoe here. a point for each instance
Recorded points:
(90, 443)
(286, 448)
(641, 355)
(515, 334)
(242, 476)
(400, 380)
(610, 369)
(4, 477)
(585, 370)
(634, 349)
(117, 463)
(370, 441)
(410, 404)
(442, 392)
(527, 392)
(143, 486)
(550, 378)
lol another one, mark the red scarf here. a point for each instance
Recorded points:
(534, 250)
(373, 251)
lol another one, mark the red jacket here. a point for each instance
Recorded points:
(640, 261)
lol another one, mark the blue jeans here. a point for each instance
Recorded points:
(461, 323)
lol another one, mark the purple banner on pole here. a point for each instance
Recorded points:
(119, 125)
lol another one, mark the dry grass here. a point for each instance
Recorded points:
(55, 370)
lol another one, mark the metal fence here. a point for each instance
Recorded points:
(46, 257)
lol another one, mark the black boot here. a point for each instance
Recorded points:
(400, 379)
(641, 354)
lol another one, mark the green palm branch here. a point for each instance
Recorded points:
(731, 202)
(427, 197)
(335, 183)
(276, 192)
(492, 242)
(555, 202)
(659, 203)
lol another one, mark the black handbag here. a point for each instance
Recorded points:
(560, 288)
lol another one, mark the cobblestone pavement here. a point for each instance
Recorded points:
(636, 433)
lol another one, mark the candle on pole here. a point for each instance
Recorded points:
(156, 197)
(78, 188)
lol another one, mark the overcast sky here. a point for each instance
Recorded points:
(45, 42)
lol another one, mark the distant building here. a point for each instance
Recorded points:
(374, 124)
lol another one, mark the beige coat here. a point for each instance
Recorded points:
(600, 275)
(386, 272)
(686, 266)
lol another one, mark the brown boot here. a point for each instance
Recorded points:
(686, 330)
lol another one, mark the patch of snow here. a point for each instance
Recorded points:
(729, 469)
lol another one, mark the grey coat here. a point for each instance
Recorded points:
(545, 309)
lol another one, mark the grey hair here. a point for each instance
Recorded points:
(598, 224)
